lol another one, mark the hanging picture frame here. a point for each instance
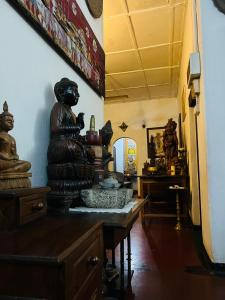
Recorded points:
(157, 133)
(63, 25)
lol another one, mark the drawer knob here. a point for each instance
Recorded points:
(38, 206)
(93, 260)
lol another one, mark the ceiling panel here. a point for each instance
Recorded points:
(155, 57)
(179, 22)
(121, 62)
(143, 53)
(158, 76)
(118, 34)
(173, 91)
(175, 75)
(160, 91)
(152, 27)
(176, 1)
(135, 93)
(112, 8)
(111, 94)
(108, 83)
(132, 79)
(144, 4)
(177, 48)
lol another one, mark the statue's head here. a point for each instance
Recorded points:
(171, 126)
(6, 119)
(66, 91)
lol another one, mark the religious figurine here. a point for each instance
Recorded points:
(106, 133)
(159, 144)
(152, 151)
(170, 145)
(69, 158)
(99, 143)
(13, 170)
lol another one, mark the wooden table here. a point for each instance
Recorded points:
(156, 187)
(116, 228)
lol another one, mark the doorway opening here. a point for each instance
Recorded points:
(125, 159)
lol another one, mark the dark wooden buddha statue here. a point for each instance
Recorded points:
(13, 171)
(69, 159)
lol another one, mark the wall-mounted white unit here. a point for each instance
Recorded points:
(194, 68)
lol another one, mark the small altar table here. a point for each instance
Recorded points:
(156, 188)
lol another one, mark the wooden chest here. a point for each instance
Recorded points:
(21, 206)
(57, 258)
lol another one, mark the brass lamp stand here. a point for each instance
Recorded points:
(177, 188)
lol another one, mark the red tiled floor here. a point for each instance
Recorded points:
(160, 256)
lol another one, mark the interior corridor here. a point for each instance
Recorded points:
(167, 264)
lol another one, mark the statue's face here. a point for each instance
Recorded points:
(7, 123)
(70, 95)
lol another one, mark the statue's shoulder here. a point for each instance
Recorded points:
(57, 107)
(4, 136)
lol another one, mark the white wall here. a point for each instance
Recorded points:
(119, 146)
(29, 68)
(153, 113)
(189, 126)
(212, 121)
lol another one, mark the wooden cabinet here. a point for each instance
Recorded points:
(57, 258)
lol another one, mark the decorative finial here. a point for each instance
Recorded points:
(92, 123)
(5, 107)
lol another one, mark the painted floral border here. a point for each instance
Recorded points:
(67, 30)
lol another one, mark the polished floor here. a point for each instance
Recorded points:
(166, 265)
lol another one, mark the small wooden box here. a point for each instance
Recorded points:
(21, 206)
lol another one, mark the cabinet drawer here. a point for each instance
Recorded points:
(91, 291)
(32, 207)
(85, 263)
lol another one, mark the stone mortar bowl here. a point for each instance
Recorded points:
(106, 198)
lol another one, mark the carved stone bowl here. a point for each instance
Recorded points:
(106, 198)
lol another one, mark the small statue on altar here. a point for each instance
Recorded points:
(170, 144)
(13, 170)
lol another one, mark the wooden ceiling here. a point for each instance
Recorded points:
(143, 44)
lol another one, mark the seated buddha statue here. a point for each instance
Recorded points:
(11, 167)
(69, 158)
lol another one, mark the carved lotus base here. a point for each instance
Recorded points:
(65, 193)
(14, 181)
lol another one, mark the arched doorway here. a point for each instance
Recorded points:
(125, 156)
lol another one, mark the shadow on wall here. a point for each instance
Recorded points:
(38, 155)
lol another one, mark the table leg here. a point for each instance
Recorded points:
(113, 258)
(122, 266)
(178, 225)
(129, 259)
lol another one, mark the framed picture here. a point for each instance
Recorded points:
(63, 25)
(157, 134)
